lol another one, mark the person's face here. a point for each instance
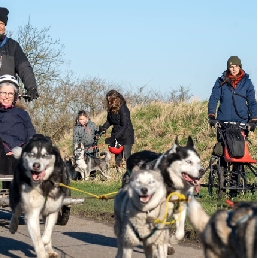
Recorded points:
(83, 120)
(2, 27)
(234, 69)
(6, 95)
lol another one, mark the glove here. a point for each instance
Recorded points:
(32, 94)
(102, 130)
(252, 124)
(212, 120)
(110, 141)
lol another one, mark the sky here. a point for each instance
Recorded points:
(160, 45)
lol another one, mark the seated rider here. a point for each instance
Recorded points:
(235, 93)
(85, 132)
(16, 127)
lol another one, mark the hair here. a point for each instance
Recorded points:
(80, 113)
(227, 79)
(116, 101)
(16, 90)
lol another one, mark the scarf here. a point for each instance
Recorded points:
(234, 80)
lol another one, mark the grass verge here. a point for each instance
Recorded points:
(102, 210)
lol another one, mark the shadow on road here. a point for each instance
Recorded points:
(8, 245)
(94, 239)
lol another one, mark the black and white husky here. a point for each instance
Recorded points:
(86, 162)
(35, 190)
(181, 169)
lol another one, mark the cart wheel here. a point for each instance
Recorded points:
(63, 215)
(221, 179)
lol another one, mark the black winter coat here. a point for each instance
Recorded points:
(14, 61)
(122, 130)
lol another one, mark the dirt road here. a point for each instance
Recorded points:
(80, 238)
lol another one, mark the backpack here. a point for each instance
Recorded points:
(235, 142)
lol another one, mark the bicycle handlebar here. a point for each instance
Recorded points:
(220, 124)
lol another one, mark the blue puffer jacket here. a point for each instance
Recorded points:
(245, 104)
(15, 127)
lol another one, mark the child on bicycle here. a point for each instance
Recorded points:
(85, 132)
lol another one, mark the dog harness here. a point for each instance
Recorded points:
(138, 235)
(241, 220)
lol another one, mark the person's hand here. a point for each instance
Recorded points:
(110, 141)
(252, 124)
(9, 153)
(102, 130)
(212, 120)
(32, 94)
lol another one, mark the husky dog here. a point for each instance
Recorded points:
(86, 163)
(35, 190)
(181, 169)
(226, 234)
(135, 206)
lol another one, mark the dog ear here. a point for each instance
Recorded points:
(190, 142)
(17, 151)
(175, 145)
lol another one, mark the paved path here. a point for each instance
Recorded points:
(80, 238)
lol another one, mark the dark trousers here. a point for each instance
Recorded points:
(126, 153)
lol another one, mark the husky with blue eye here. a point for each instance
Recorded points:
(35, 190)
(136, 206)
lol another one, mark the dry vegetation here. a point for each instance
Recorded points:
(157, 124)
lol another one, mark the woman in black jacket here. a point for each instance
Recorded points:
(119, 117)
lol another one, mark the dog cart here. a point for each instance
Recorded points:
(231, 166)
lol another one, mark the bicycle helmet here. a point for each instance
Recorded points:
(9, 78)
(117, 149)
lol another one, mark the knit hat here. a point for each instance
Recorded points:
(4, 15)
(234, 60)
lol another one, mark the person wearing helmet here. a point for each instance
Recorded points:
(122, 133)
(16, 127)
(13, 60)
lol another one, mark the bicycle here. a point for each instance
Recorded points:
(227, 172)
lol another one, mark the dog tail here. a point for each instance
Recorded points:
(197, 215)
(107, 155)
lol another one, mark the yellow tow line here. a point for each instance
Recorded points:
(103, 197)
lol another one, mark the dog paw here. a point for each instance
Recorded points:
(173, 240)
(53, 254)
(180, 235)
(13, 225)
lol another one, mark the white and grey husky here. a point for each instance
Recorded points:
(135, 208)
(181, 170)
(86, 163)
(35, 190)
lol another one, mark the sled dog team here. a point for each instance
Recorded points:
(139, 206)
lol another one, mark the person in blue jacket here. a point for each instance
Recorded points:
(235, 93)
(16, 127)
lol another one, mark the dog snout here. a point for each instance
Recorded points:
(144, 191)
(36, 166)
(201, 172)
